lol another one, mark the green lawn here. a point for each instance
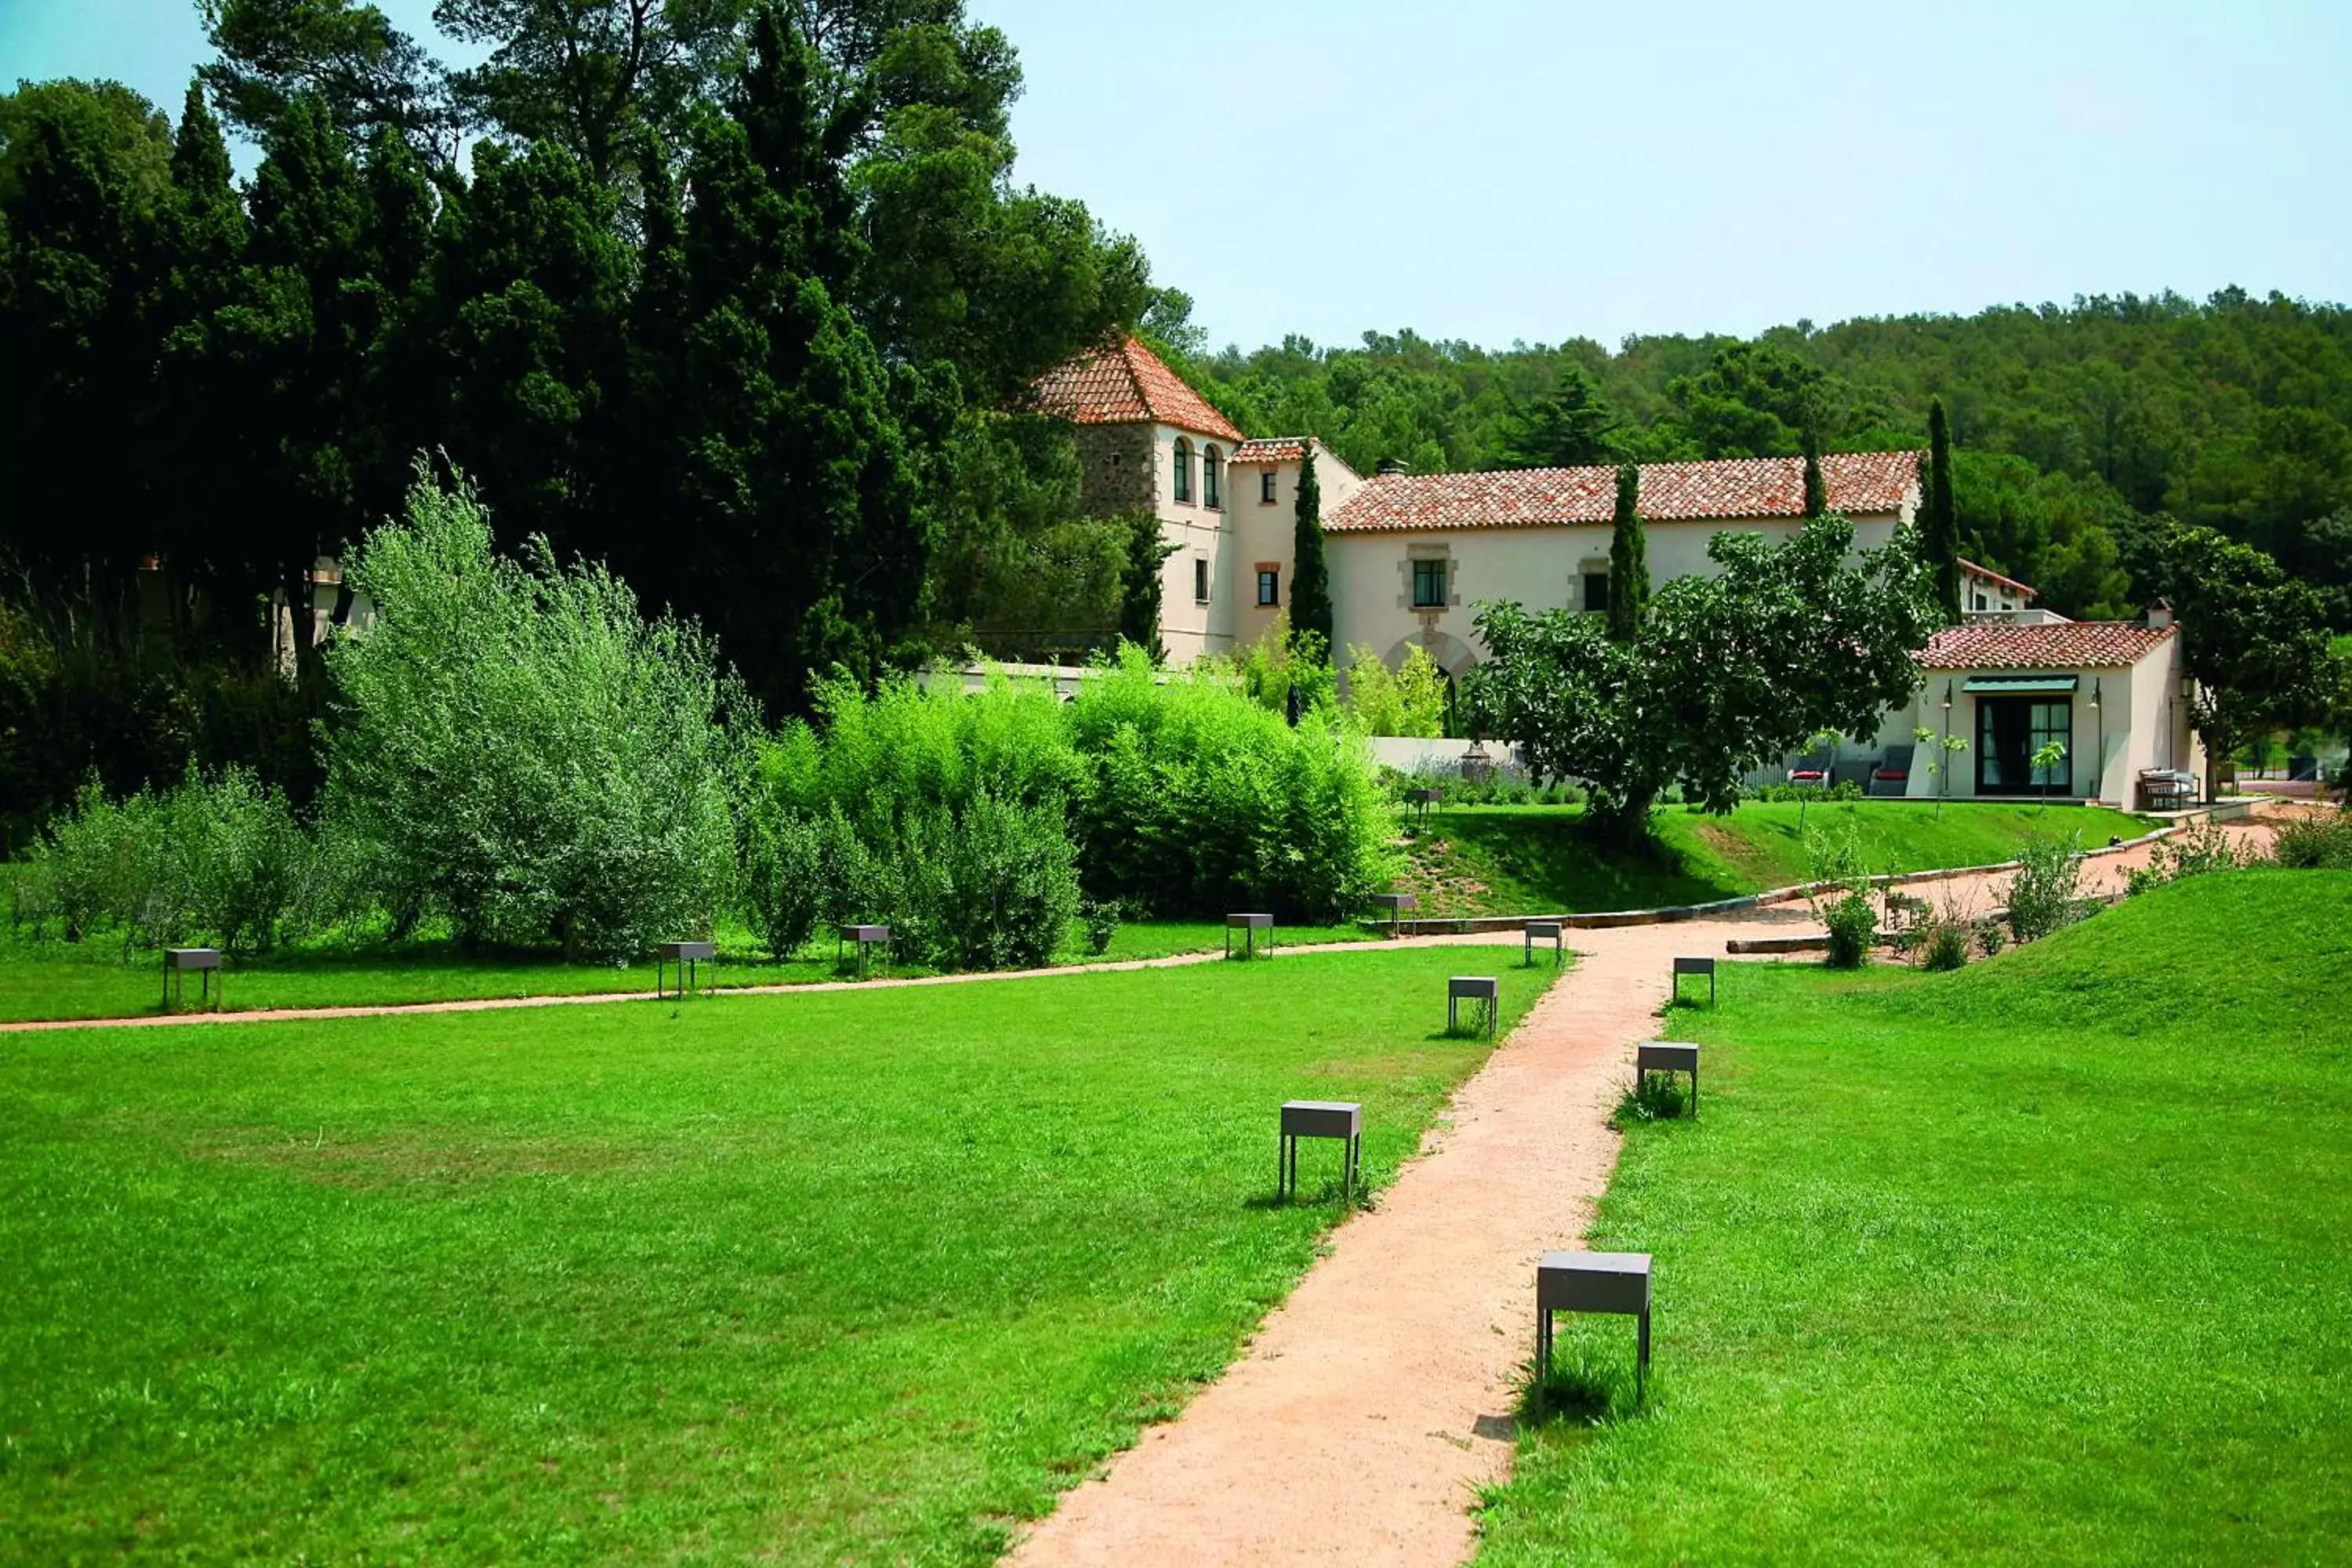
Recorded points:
(852, 1277)
(1502, 860)
(51, 979)
(2049, 1260)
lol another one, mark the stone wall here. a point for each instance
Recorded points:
(1116, 463)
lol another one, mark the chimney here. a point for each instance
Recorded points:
(2160, 616)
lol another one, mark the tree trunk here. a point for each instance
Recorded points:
(1626, 825)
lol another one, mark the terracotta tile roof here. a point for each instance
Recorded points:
(1990, 576)
(1127, 384)
(1857, 482)
(2062, 646)
(1271, 450)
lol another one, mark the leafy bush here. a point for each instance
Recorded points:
(218, 859)
(1991, 938)
(1853, 927)
(2315, 842)
(1199, 801)
(517, 746)
(97, 861)
(1101, 917)
(1455, 790)
(1844, 789)
(1943, 945)
(1280, 663)
(1410, 701)
(1008, 887)
(781, 874)
(2190, 853)
(2045, 895)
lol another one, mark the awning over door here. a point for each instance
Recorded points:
(2021, 685)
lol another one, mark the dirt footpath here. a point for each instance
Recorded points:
(1362, 1420)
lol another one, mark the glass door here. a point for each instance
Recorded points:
(2025, 745)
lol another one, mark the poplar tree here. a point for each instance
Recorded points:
(1311, 574)
(1629, 559)
(1817, 495)
(1940, 539)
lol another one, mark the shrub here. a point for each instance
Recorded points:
(516, 745)
(1943, 945)
(1008, 887)
(1409, 701)
(1198, 801)
(1853, 927)
(2045, 894)
(234, 863)
(218, 859)
(2190, 853)
(781, 874)
(2315, 842)
(1844, 790)
(1991, 939)
(1101, 917)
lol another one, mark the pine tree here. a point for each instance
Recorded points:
(804, 522)
(1629, 559)
(1572, 426)
(1940, 538)
(1817, 495)
(1311, 574)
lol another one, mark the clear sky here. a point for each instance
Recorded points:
(1511, 169)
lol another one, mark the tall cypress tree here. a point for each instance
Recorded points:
(1817, 495)
(1941, 536)
(1311, 574)
(1629, 559)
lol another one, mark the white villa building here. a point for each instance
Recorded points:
(1410, 555)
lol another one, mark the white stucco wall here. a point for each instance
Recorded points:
(1263, 532)
(1541, 568)
(2137, 725)
(1199, 532)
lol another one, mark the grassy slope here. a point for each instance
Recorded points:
(2050, 1260)
(1534, 859)
(852, 1277)
(92, 979)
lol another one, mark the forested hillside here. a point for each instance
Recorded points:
(2076, 424)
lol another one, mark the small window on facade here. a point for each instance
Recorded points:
(1211, 484)
(1980, 601)
(1266, 487)
(1200, 580)
(1596, 590)
(1269, 585)
(1428, 584)
(1183, 469)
